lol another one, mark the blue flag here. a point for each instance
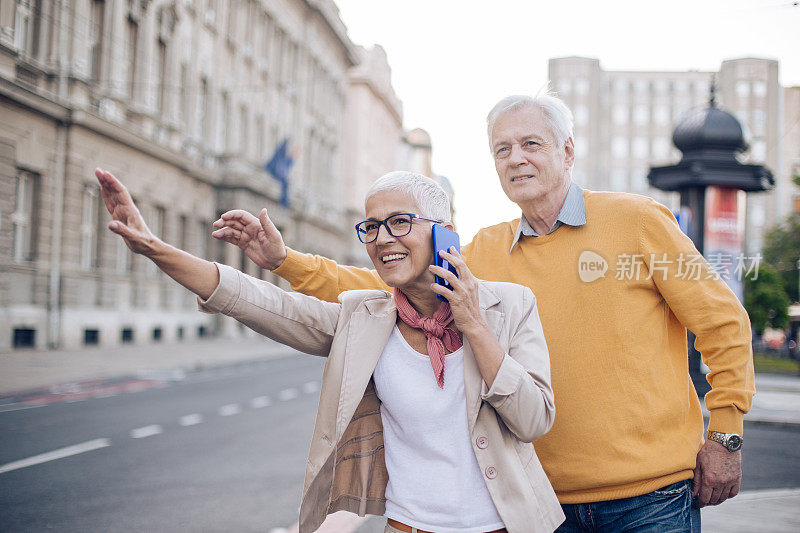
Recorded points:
(279, 166)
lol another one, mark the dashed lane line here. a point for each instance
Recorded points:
(259, 402)
(60, 453)
(146, 431)
(230, 409)
(190, 420)
(311, 387)
(288, 394)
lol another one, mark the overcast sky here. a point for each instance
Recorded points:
(453, 60)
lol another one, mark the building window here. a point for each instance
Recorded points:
(661, 147)
(619, 179)
(132, 41)
(758, 152)
(640, 148)
(621, 86)
(581, 147)
(96, 30)
(244, 139)
(661, 86)
(90, 220)
(641, 86)
(203, 113)
(22, 219)
(26, 26)
(681, 87)
(157, 334)
(661, 115)
(759, 89)
(203, 239)
(223, 142)
(126, 335)
(161, 82)
(641, 115)
(620, 114)
(184, 109)
(701, 87)
(619, 147)
(581, 115)
(742, 89)
(581, 86)
(564, 86)
(24, 337)
(91, 337)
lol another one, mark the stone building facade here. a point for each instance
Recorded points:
(624, 122)
(184, 100)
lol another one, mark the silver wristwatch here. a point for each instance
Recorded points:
(731, 441)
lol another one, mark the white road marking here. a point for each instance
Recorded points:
(288, 394)
(190, 420)
(146, 431)
(311, 387)
(230, 409)
(7, 408)
(56, 454)
(259, 402)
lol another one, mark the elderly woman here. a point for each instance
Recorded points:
(427, 408)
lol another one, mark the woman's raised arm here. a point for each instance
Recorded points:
(196, 274)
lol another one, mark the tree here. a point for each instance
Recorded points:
(765, 299)
(782, 251)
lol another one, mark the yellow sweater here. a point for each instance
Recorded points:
(627, 418)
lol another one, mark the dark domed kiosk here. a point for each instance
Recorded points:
(712, 184)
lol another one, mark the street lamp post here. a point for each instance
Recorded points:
(709, 179)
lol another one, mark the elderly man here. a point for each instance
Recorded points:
(609, 271)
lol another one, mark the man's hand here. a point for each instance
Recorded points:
(258, 237)
(718, 474)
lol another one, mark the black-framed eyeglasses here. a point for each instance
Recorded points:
(398, 225)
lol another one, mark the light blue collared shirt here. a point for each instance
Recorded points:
(573, 213)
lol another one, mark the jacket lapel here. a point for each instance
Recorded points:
(368, 332)
(473, 381)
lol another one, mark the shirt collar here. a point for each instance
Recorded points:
(573, 213)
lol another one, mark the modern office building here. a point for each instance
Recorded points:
(624, 122)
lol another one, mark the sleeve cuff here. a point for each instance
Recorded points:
(726, 420)
(293, 267)
(225, 295)
(506, 382)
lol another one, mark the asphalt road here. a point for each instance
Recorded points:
(217, 450)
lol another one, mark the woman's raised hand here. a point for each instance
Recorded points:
(127, 220)
(258, 237)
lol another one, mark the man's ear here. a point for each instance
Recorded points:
(569, 152)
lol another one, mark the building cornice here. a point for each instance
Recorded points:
(47, 107)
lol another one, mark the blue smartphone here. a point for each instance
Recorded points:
(443, 239)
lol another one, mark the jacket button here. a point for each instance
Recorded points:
(491, 472)
(482, 442)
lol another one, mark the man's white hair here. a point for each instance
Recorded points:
(429, 196)
(556, 114)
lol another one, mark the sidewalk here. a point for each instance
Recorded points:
(27, 370)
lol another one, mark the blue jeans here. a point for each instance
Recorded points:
(666, 510)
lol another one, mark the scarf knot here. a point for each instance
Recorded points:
(437, 333)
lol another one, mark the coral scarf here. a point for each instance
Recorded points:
(435, 329)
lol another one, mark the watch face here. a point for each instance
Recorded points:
(734, 442)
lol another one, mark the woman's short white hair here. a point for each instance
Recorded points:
(556, 114)
(429, 196)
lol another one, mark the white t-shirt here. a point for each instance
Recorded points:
(435, 482)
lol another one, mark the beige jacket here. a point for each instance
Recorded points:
(346, 469)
